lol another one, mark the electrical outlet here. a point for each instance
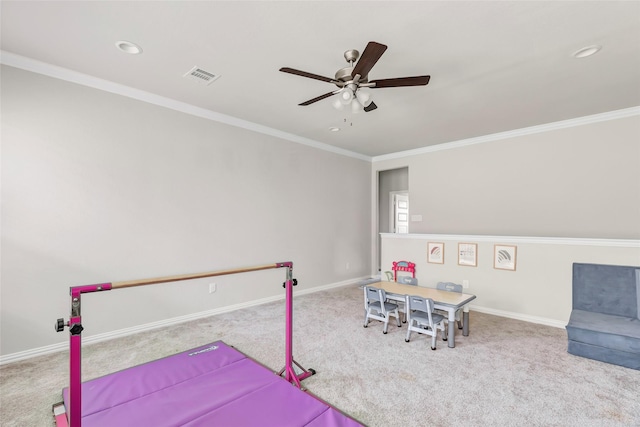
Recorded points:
(212, 288)
(465, 284)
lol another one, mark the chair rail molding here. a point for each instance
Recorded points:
(576, 241)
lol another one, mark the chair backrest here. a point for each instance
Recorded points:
(416, 303)
(449, 286)
(403, 266)
(406, 280)
(373, 294)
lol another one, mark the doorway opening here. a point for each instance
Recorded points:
(391, 184)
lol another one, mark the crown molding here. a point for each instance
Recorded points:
(28, 64)
(579, 121)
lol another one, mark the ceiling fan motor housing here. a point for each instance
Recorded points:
(344, 75)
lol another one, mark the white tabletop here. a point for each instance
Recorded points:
(454, 299)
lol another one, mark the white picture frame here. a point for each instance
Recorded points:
(505, 257)
(435, 252)
(468, 254)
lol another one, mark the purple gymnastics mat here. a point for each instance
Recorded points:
(212, 385)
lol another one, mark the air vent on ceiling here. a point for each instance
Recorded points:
(202, 76)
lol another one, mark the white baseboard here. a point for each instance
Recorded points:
(54, 348)
(520, 316)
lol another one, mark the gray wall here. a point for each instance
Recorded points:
(97, 188)
(581, 181)
(561, 196)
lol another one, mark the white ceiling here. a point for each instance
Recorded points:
(494, 66)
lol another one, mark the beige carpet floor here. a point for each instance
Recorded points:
(505, 373)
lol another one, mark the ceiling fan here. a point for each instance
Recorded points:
(352, 78)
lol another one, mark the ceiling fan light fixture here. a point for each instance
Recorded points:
(363, 97)
(356, 107)
(346, 96)
(337, 105)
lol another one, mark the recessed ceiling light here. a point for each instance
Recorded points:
(128, 47)
(587, 51)
(334, 129)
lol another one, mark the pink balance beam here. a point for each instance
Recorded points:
(75, 409)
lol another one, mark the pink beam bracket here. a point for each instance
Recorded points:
(75, 350)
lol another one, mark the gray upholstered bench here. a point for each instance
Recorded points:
(604, 323)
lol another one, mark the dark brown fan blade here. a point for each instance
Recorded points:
(319, 98)
(369, 57)
(305, 74)
(401, 81)
(370, 107)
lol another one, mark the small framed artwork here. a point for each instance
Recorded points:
(504, 257)
(435, 252)
(468, 254)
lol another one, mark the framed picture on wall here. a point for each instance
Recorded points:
(468, 254)
(435, 252)
(504, 257)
